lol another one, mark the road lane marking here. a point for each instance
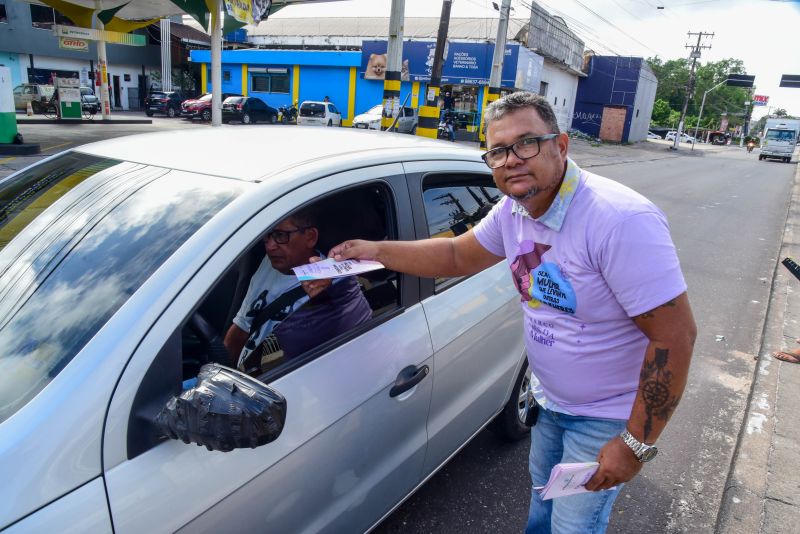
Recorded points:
(56, 146)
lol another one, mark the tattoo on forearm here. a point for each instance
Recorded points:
(652, 313)
(656, 380)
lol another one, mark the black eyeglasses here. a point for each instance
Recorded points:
(282, 237)
(526, 148)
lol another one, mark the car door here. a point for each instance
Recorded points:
(335, 115)
(349, 450)
(475, 323)
(19, 103)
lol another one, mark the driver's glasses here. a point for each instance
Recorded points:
(525, 148)
(282, 237)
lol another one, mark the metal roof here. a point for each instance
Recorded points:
(474, 29)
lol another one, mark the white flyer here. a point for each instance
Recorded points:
(331, 268)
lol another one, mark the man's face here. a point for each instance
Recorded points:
(299, 246)
(533, 182)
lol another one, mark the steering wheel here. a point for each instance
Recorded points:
(213, 347)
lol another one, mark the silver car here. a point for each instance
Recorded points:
(121, 266)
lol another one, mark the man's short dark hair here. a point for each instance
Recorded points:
(305, 218)
(521, 100)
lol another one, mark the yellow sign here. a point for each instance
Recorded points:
(248, 11)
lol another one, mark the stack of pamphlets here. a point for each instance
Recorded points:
(567, 479)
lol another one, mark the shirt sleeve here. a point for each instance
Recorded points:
(488, 231)
(639, 263)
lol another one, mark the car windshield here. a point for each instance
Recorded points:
(157, 94)
(234, 100)
(205, 98)
(86, 91)
(80, 235)
(780, 135)
(375, 110)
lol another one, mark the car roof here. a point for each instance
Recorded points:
(256, 152)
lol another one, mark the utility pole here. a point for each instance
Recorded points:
(394, 60)
(495, 80)
(429, 113)
(695, 55)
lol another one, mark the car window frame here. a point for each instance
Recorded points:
(428, 286)
(143, 409)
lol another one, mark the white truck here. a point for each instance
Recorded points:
(779, 139)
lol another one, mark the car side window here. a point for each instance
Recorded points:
(274, 341)
(454, 204)
(334, 110)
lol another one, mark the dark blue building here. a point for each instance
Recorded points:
(615, 100)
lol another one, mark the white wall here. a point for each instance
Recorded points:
(45, 62)
(643, 104)
(561, 89)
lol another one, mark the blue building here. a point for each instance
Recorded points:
(615, 100)
(349, 79)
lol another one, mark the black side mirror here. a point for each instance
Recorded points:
(226, 410)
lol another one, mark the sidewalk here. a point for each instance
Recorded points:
(762, 493)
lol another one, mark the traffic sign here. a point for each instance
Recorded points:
(740, 80)
(790, 80)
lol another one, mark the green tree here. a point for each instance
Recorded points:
(661, 110)
(780, 112)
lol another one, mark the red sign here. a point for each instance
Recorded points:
(760, 100)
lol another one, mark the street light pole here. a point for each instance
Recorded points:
(702, 104)
(216, 64)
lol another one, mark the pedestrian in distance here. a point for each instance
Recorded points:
(608, 326)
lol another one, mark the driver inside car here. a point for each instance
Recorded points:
(280, 316)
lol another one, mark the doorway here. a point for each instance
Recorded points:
(117, 100)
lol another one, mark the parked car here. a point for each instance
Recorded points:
(318, 114)
(651, 135)
(38, 95)
(166, 102)
(200, 108)
(89, 101)
(248, 110)
(408, 120)
(371, 119)
(685, 138)
(117, 290)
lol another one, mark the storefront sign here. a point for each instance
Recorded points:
(760, 100)
(465, 63)
(248, 11)
(91, 34)
(71, 43)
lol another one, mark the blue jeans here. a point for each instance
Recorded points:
(559, 438)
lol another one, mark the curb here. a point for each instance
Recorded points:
(743, 499)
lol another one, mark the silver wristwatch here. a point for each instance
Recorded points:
(643, 452)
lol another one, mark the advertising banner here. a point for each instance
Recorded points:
(70, 43)
(760, 100)
(465, 63)
(248, 11)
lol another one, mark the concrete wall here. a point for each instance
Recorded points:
(643, 104)
(561, 89)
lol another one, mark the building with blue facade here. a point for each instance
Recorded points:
(281, 77)
(614, 102)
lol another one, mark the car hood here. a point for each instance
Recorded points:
(367, 117)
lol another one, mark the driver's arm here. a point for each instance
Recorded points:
(234, 342)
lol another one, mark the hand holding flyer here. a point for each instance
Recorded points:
(330, 268)
(567, 479)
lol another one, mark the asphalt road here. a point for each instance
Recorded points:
(726, 212)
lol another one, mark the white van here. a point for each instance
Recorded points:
(318, 114)
(779, 139)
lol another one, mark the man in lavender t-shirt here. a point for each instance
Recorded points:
(608, 326)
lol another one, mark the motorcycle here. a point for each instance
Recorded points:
(288, 114)
(750, 146)
(446, 128)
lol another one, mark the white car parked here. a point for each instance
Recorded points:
(651, 135)
(371, 119)
(685, 138)
(318, 114)
(122, 264)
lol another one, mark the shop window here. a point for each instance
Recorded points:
(270, 82)
(45, 17)
(226, 75)
(3, 18)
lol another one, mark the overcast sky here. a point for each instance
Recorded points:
(762, 33)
